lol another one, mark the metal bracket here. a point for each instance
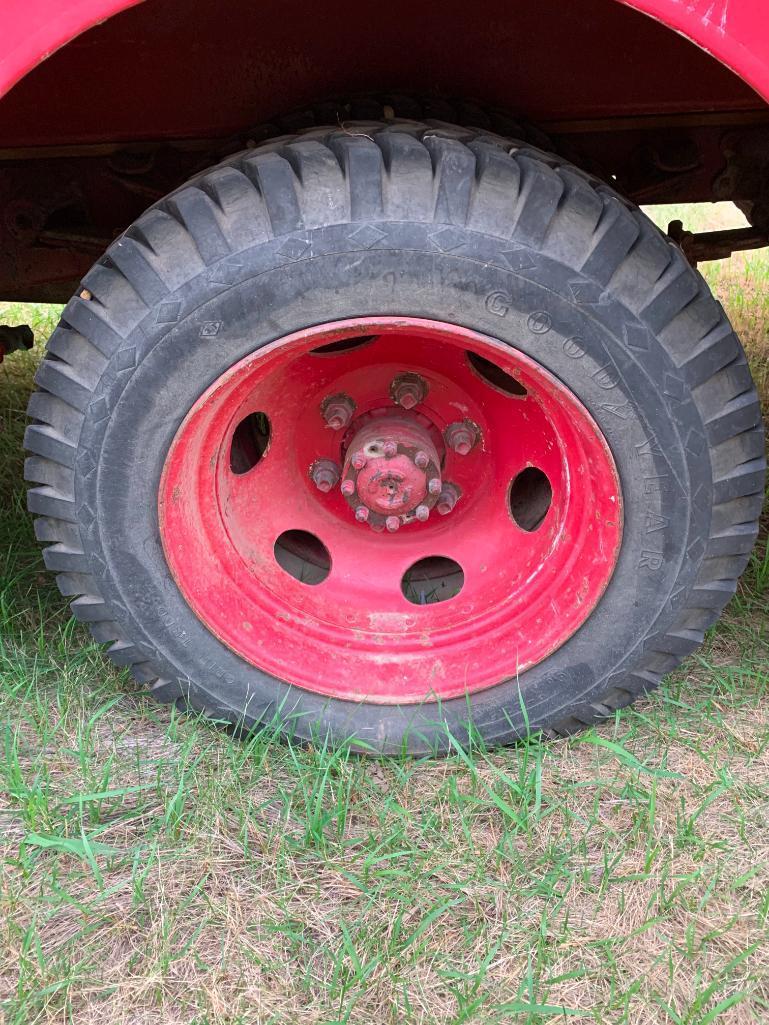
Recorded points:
(715, 245)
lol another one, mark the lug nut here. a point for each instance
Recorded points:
(434, 486)
(348, 486)
(337, 411)
(421, 459)
(359, 459)
(408, 390)
(325, 473)
(361, 514)
(461, 437)
(392, 523)
(448, 499)
(422, 513)
(390, 449)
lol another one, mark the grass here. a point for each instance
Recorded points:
(154, 869)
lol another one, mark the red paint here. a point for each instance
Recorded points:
(31, 30)
(355, 636)
(736, 32)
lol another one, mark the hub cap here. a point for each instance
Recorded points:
(391, 510)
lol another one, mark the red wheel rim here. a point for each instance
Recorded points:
(315, 585)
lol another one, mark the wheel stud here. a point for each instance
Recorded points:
(392, 523)
(390, 449)
(461, 437)
(447, 500)
(358, 459)
(421, 459)
(348, 486)
(408, 390)
(361, 514)
(422, 513)
(434, 486)
(325, 473)
(337, 411)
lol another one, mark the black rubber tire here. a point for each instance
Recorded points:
(390, 106)
(401, 219)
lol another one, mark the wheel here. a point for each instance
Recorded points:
(392, 432)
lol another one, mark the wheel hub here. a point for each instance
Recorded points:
(392, 470)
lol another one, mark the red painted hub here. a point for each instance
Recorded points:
(502, 482)
(392, 471)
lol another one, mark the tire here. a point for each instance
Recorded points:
(403, 219)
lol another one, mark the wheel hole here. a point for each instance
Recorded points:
(530, 497)
(342, 345)
(432, 580)
(303, 556)
(249, 442)
(496, 376)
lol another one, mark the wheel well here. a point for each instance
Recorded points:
(127, 111)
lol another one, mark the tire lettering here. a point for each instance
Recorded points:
(656, 484)
(573, 348)
(648, 447)
(606, 377)
(655, 522)
(539, 322)
(623, 412)
(650, 560)
(498, 303)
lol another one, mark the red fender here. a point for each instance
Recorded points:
(736, 32)
(31, 30)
